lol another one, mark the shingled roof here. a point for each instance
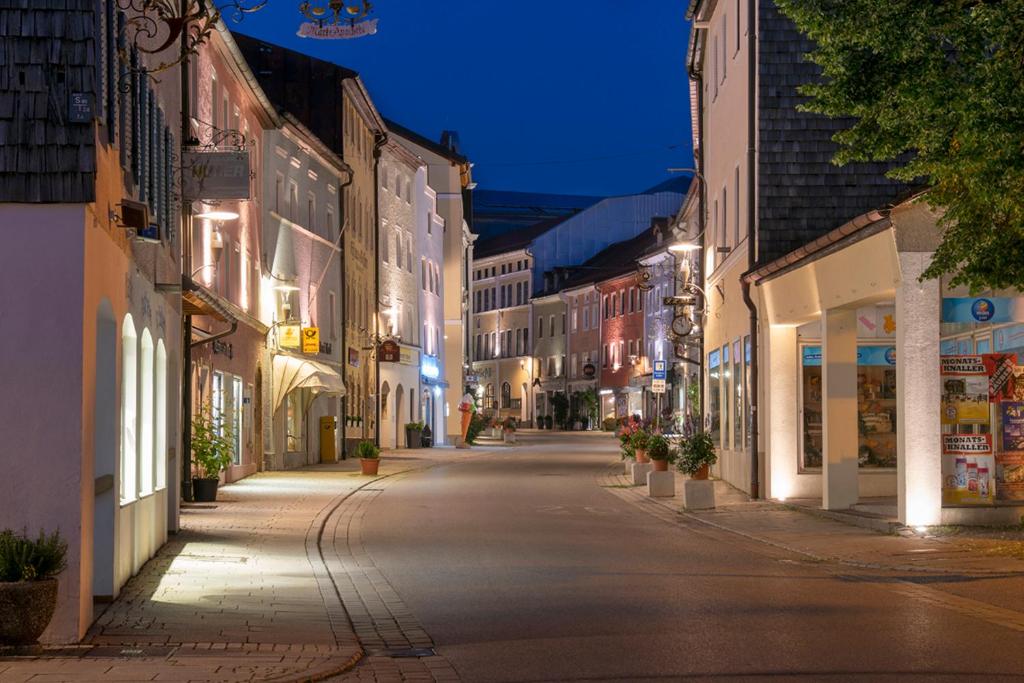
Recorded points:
(47, 52)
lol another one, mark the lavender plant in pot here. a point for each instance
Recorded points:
(28, 587)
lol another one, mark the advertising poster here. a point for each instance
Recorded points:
(1000, 369)
(965, 390)
(1010, 460)
(968, 468)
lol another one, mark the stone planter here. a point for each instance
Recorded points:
(414, 438)
(509, 436)
(370, 466)
(26, 608)
(204, 490)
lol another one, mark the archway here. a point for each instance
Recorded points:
(104, 443)
(385, 393)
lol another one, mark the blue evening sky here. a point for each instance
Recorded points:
(598, 87)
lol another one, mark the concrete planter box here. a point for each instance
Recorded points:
(414, 438)
(26, 608)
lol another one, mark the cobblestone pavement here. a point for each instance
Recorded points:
(245, 591)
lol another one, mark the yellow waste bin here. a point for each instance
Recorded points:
(328, 428)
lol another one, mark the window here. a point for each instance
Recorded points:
(736, 206)
(630, 349)
(329, 227)
(423, 274)
(476, 301)
(398, 248)
(714, 66)
(736, 46)
(639, 300)
(725, 216)
(604, 356)
(129, 416)
(236, 418)
(311, 212)
(726, 396)
(737, 398)
(540, 326)
(294, 420)
(586, 318)
(632, 300)
(160, 418)
(551, 325)
(605, 307)
(714, 398)
(725, 42)
(563, 323)
(572, 365)
(574, 319)
(145, 403)
(519, 293)
(408, 254)
(519, 342)
(506, 395)
(293, 201)
(594, 320)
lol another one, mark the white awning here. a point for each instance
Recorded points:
(292, 373)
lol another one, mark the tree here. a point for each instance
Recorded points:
(938, 87)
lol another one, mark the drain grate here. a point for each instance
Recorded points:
(410, 652)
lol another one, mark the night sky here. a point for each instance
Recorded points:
(598, 87)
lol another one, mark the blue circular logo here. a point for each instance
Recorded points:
(890, 355)
(983, 310)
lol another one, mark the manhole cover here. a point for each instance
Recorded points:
(134, 651)
(411, 652)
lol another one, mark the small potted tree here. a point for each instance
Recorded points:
(638, 440)
(212, 449)
(28, 588)
(697, 455)
(508, 430)
(369, 457)
(660, 451)
(414, 434)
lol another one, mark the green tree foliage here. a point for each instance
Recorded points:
(937, 85)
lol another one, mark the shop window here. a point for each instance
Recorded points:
(746, 383)
(876, 406)
(738, 381)
(727, 378)
(129, 370)
(714, 403)
(236, 418)
(506, 395)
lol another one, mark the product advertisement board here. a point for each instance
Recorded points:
(967, 468)
(1010, 460)
(964, 390)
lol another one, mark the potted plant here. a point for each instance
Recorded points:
(660, 451)
(369, 457)
(508, 430)
(697, 455)
(212, 449)
(28, 587)
(413, 434)
(638, 440)
(477, 423)
(549, 422)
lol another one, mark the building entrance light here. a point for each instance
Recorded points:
(683, 247)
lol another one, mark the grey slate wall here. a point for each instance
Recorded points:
(47, 52)
(801, 194)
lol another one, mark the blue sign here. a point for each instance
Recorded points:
(714, 359)
(659, 369)
(866, 355)
(982, 309)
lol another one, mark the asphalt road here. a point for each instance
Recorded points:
(521, 567)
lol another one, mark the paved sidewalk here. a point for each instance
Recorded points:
(242, 593)
(816, 537)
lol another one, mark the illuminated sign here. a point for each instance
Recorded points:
(290, 337)
(430, 370)
(311, 340)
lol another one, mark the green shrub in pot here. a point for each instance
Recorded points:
(28, 586)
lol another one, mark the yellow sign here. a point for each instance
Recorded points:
(291, 336)
(311, 340)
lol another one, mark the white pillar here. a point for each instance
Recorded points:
(781, 439)
(918, 393)
(839, 488)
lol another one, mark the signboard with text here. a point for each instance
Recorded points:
(311, 340)
(290, 336)
(215, 175)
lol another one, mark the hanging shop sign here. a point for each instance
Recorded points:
(389, 351)
(311, 340)
(337, 19)
(408, 356)
(359, 29)
(995, 309)
(290, 336)
(215, 175)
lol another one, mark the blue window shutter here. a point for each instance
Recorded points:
(169, 180)
(122, 93)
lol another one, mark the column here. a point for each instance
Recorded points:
(783, 382)
(839, 488)
(918, 393)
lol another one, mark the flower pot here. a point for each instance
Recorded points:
(700, 474)
(510, 437)
(204, 490)
(369, 465)
(660, 465)
(641, 455)
(413, 438)
(26, 608)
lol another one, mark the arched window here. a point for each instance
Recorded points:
(506, 395)
(160, 416)
(145, 401)
(129, 374)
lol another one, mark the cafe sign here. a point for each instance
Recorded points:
(389, 351)
(215, 175)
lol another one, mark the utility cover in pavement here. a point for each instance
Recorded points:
(134, 651)
(412, 652)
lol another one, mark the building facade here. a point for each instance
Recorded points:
(583, 344)
(92, 232)
(549, 316)
(400, 274)
(501, 333)
(622, 331)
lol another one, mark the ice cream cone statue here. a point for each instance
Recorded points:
(466, 407)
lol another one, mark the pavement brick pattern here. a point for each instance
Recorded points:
(244, 592)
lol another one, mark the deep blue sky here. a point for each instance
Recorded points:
(599, 84)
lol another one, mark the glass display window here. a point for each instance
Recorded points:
(726, 397)
(714, 416)
(876, 407)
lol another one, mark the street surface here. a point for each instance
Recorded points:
(521, 566)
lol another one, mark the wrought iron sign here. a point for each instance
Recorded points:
(332, 19)
(153, 26)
